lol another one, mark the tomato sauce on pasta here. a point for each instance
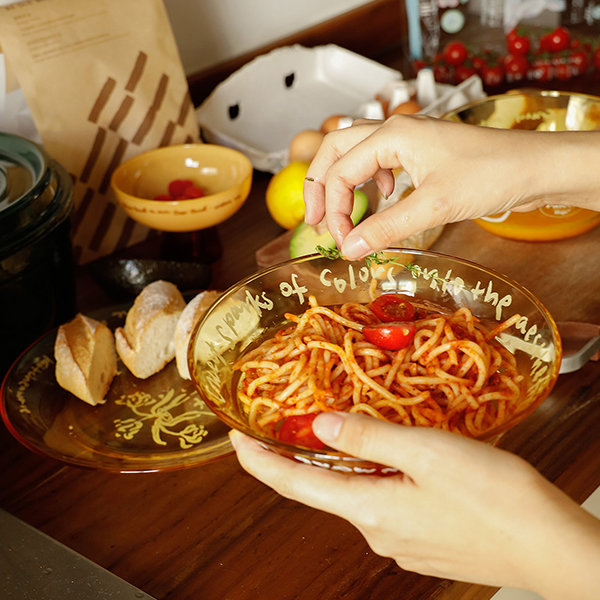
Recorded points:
(453, 375)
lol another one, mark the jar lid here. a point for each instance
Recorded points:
(35, 193)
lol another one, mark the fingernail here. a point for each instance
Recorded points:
(232, 439)
(327, 426)
(355, 247)
(308, 214)
(383, 191)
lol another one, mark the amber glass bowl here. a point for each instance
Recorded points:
(224, 174)
(540, 111)
(257, 306)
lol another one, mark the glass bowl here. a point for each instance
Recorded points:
(224, 174)
(257, 306)
(538, 110)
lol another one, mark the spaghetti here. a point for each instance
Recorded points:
(453, 375)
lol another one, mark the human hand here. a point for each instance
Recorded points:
(459, 172)
(462, 510)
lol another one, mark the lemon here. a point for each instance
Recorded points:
(284, 195)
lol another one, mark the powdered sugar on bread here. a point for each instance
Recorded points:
(190, 316)
(86, 362)
(146, 342)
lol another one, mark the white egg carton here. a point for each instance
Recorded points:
(262, 106)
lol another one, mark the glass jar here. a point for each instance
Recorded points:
(36, 261)
(540, 111)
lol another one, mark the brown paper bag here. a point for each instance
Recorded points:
(104, 82)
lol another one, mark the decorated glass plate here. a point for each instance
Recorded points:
(154, 424)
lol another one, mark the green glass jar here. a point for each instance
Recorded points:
(36, 261)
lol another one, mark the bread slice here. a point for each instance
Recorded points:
(145, 344)
(86, 361)
(190, 316)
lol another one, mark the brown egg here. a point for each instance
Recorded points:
(305, 145)
(385, 103)
(335, 122)
(407, 108)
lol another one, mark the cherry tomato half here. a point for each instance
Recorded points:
(390, 336)
(297, 431)
(393, 307)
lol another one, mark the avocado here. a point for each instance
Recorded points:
(305, 239)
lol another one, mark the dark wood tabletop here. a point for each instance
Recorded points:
(213, 532)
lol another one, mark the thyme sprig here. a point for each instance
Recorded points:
(377, 258)
(330, 253)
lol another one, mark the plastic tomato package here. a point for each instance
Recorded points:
(507, 43)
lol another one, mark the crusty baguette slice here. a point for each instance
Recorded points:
(145, 344)
(190, 316)
(86, 361)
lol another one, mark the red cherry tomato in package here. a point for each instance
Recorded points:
(419, 64)
(579, 61)
(297, 431)
(455, 53)
(390, 336)
(515, 67)
(596, 58)
(517, 43)
(545, 43)
(478, 63)
(541, 70)
(393, 307)
(557, 40)
(492, 75)
(442, 73)
(564, 71)
(463, 72)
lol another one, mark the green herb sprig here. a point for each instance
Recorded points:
(377, 258)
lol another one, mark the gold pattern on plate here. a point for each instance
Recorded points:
(40, 364)
(164, 418)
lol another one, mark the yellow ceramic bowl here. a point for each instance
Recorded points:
(224, 174)
(540, 111)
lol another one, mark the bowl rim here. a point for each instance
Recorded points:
(491, 435)
(530, 92)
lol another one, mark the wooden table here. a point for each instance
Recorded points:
(215, 533)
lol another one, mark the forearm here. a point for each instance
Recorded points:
(565, 549)
(561, 168)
